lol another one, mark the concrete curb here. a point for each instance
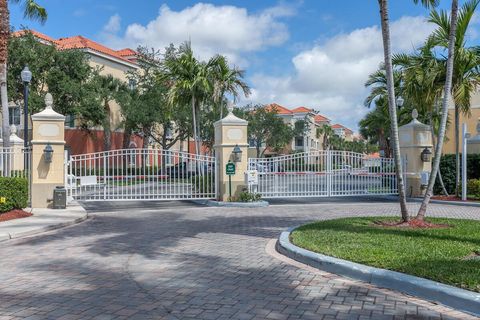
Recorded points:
(449, 203)
(450, 296)
(79, 211)
(213, 203)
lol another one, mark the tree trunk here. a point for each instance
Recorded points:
(199, 132)
(443, 122)
(457, 151)
(195, 137)
(107, 131)
(440, 178)
(393, 108)
(4, 35)
(127, 134)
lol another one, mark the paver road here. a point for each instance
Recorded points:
(181, 261)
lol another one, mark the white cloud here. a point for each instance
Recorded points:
(113, 25)
(330, 76)
(228, 30)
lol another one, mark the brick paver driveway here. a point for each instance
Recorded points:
(158, 261)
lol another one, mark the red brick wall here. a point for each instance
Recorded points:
(81, 141)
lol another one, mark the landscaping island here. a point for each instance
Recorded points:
(449, 255)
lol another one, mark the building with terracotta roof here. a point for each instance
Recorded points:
(305, 143)
(111, 62)
(343, 132)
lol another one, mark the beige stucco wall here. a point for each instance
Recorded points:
(471, 121)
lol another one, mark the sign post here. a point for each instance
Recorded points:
(230, 171)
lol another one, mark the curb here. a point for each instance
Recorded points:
(450, 296)
(10, 236)
(213, 203)
(449, 203)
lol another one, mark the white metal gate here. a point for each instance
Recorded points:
(140, 174)
(323, 174)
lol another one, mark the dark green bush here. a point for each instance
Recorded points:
(447, 168)
(246, 196)
(15, 192)
(473, 187)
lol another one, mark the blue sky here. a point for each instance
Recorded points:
(315, 53)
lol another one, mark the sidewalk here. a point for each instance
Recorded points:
(41, 221)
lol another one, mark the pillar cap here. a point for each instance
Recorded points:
(231, 119)
(415, 124)
(14, 139)
(48, 113)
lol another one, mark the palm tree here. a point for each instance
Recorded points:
(326, 132)
(190, 83)
(446, 97)
(31, 10)
(466, 75)
(391, 100)
(226, 80)
(109, 90)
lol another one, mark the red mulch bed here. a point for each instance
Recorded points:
(413, 224)
(452, 198)
(14, 214)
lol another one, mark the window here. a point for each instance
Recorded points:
(70, 121)
(299, 141)
(14, 116)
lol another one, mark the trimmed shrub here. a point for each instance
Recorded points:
(473, 187)
(15, 192)
(246, 196)
(447, 168)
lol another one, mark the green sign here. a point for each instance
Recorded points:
(230, 168)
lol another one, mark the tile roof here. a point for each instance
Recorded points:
(279, 108)
(301, 110)
(339, 126)
(320, 118)
(126, 52)
(80, 42)
(34, 33)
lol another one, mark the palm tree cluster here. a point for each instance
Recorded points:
(204, 85)
(443, 72)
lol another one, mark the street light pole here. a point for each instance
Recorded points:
(26, 76)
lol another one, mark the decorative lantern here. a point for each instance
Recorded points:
(48, 153)
(426, 155)
(237, 154)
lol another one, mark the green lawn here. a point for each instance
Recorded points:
(436, 254)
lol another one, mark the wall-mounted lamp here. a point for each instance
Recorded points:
(48, 153)
(237, 154)
(426, 155)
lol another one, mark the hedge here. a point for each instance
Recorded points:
(15, 193)
(447, 168)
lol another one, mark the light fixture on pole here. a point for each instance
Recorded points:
(26, 76)
(400, 102)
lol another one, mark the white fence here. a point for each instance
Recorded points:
(140, 174)
(323, 174)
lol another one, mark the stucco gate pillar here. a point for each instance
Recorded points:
(47, 134)
(231, 131)
(415, 138)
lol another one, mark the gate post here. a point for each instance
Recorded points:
(48, 167)
(415, 143)
(230, 131)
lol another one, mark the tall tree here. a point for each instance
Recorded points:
(326, 133)
(226, 80)
(189, 83)
(446, 98)
(109, 89)
(31, 10)
(266, 128)
(466, 73)
(387, 50)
